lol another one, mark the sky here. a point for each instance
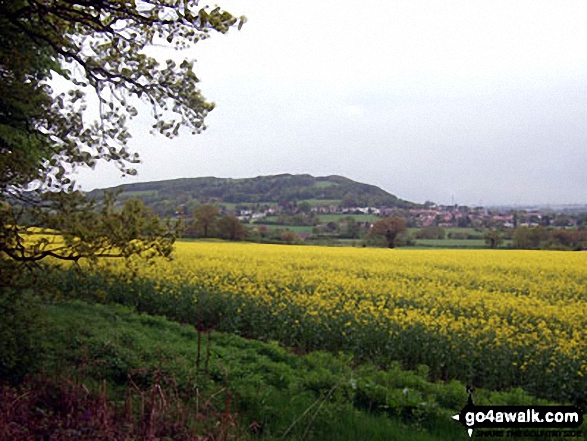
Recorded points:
(468, 102)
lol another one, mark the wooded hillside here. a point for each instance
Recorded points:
(164, 196)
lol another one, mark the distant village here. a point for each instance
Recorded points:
(432, 215)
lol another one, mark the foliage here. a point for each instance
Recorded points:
(208, 223)
(59, 408)
(493, 238)
(288, 236)
(86, 232)
(496, 319)
(106, 374)
(430, 233)
(304, 207)
(100, 48)
(230, 228)
(529, 237)
(299, 219)
(206, 219)
(262, 190)
(464, 234)
(349, 228)
(390, 228)
(534, 238)
(136, 373)
(20, 330)
(98, 53)
(569, 239)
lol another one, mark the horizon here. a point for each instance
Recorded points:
(478, 103)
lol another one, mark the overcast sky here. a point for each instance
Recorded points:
(465, 101)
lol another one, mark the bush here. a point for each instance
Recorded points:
(19, 328)
(430, 233)
(288, 236)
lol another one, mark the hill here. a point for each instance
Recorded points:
(165, 196)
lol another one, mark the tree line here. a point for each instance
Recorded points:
(539, 238)
(543, 238)
(207, 222)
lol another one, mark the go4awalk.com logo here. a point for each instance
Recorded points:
(512, 421)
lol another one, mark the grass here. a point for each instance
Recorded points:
(295, 228)
(271, 388)
(273, 393)
(137, 194)
(459, 230)
(418, 243)
(324, 184)
(458, 243)
(219, 384)
(325, 218)
(448, 242)
(451, 243)
(324, 202)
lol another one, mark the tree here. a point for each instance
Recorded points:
(350, 200)
(350, 227)
(288, 236)
(263, 231)
(100, 50)
(332, 226)
(229, 227)
(493, 238)
(304, 207)
(529, 238)
(569, 239)
(206, 219)
(464, 222)
(562, 220)
(90, 233)
(390, 228)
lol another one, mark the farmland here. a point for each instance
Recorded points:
(495, 319)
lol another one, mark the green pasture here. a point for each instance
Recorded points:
(325, 218)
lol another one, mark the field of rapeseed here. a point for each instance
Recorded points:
(491, 318)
